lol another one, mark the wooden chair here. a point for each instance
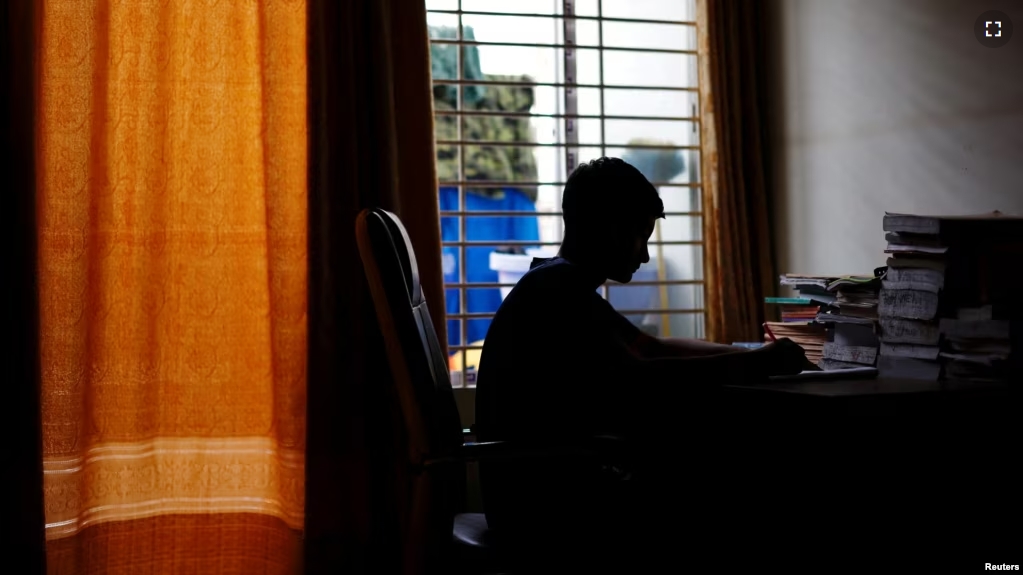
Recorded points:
(436, 537)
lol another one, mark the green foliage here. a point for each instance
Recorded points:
(444, 63)
(482, 163)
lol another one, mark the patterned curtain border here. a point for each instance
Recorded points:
(123, 481)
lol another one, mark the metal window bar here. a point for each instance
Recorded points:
(484, 243)
(568, 111)
(485, 143)
(565, 46)
(443, 82)
(484, 214)
(601, 116)
(463, 329)
(502, 184)
(570, 95)
(569, 100)
(696, 173)
(559, 106)
(600, 98)
(600, 80)
(576, 16)
(489, 315)
(635, 283)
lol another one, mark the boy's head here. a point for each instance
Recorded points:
(610, 210)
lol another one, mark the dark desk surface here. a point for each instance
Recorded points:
(912, 460)
(869, 387)
(896, 399)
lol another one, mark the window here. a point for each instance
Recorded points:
(525, 90)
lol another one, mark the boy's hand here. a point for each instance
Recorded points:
(784, 357)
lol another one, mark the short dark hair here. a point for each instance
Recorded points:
(608, 191)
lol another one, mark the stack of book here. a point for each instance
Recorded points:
(835, 318)
(851, 322)
(810, 335)
(810, 287)
(799, 315)
(975, 346)
(839, 315)
(795, 309)
(949, 307)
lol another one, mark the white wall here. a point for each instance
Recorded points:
(887, 105)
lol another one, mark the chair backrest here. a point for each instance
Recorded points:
(429, 497)
(418, 364)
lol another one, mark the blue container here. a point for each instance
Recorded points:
(477, 264)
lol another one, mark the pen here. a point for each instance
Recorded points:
(769, 333)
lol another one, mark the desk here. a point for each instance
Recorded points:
(873, 397)
(922, 469)
(872, 386)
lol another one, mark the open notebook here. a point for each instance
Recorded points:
(851, 373)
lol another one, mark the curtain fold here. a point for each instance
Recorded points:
(199, 281)
(371, 145)
(738, 253)
(22, 500)
(171, 226)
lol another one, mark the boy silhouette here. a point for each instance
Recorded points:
(559, 361)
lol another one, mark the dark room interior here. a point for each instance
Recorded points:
(512, 286)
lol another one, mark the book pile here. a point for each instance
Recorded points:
(795, 309)
(798, 316)
(851, 322)
(857, 296)
(808, 335)
(810, 287)
(836, 318)
(949, 305)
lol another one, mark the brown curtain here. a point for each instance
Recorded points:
(22, 498)
(738, 255)
(371, 144)
(171, 223)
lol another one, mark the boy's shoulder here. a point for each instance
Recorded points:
(550, 274)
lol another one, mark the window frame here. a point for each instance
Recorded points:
(568, 92)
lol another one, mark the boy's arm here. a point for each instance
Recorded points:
(779, 358)
(650, 347)
(707, 371)
(672, 361)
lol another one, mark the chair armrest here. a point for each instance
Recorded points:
(604, 447)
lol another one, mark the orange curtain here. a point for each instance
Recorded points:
(737, 238)
(171, 215)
